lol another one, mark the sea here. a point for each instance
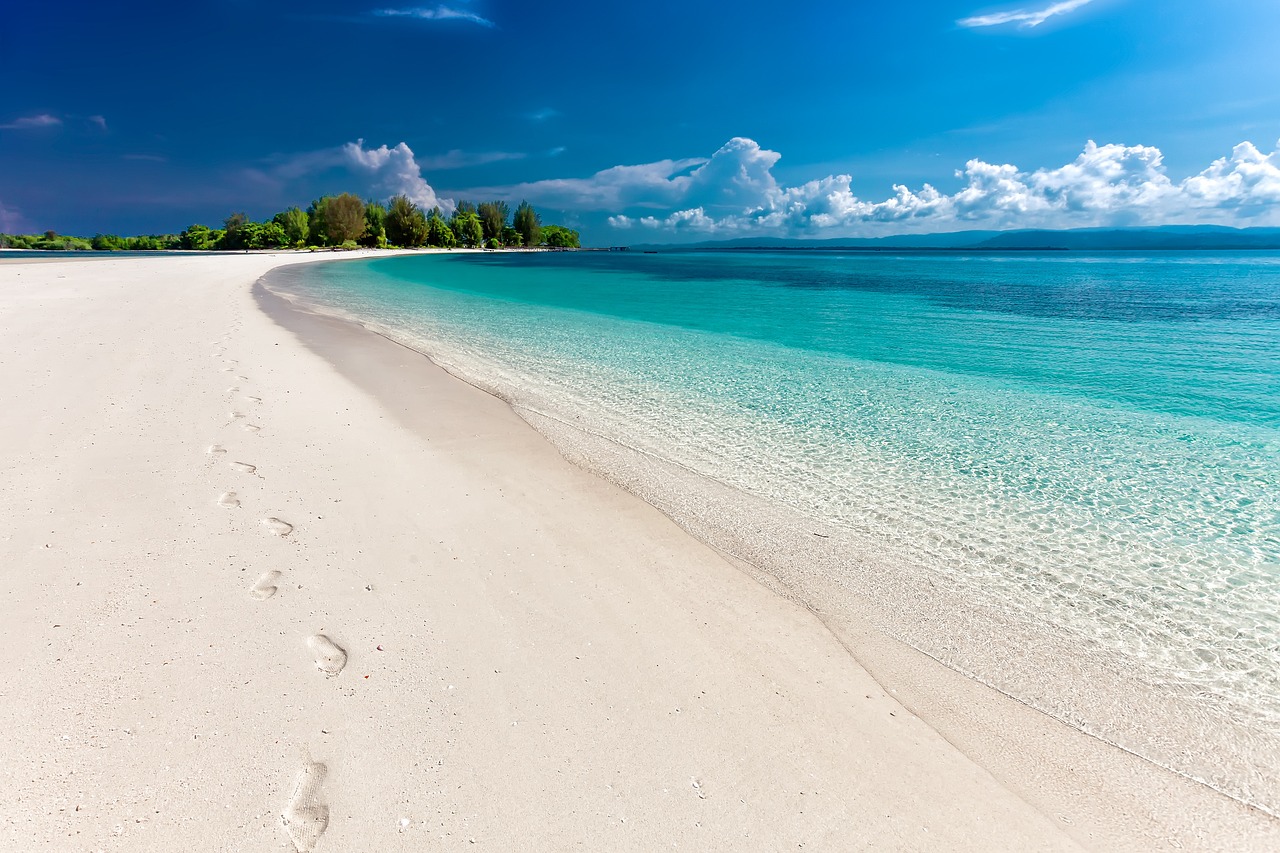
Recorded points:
(1055, 472)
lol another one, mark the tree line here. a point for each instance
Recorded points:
(340, 221)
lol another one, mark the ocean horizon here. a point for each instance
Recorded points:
(1054, 472)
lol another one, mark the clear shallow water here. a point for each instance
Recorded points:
(1086, 446)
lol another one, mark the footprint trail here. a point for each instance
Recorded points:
(305, 818)
(265, 587)
(278, 527)
(330, 659)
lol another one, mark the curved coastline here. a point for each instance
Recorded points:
(1015, 736)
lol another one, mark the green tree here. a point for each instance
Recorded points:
(528, 223)
(272, 235)
(344, 219)
(375, 226)
(439, 234)
(493, 218)
(316, 227)
(559, 237)
(405, 224)
(235, 235)
(108, 243)
(295, 225)
(467, 229)
(196, 237)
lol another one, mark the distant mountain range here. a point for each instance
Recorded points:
(1171, 237)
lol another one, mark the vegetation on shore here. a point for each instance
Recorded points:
(342, 221)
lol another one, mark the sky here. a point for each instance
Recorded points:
(647, 122)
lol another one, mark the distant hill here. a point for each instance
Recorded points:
(1168, 237)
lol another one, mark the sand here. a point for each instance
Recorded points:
(271, 582)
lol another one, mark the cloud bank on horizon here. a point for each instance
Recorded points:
(1024, 17)
(1107, 185)
(735, 192)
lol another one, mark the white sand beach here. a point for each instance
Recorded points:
(269, 581)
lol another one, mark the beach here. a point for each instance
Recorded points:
(272, 581)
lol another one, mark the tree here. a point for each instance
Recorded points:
(439, 234)
(108, 243)
(493, 218)
(511, 237)
(294, 222)
(559, 237)
(528, 223)
(405, 224)
(344, 219)
(197, 237)
(375, 222)
(467, 229)
(236, 232)
(316, 225)
(271, 236)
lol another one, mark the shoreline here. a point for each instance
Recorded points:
(1053, 673)
(533, 656)
(1051, 763)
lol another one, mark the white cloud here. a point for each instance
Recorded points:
(99, 121)
(384, 171)
(437, 13)
(1024, 17)
(659, 184)
(458, 159)
(32, 122)
(1106, 185)
(394, 170)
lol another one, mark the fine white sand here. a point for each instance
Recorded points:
(291, 587)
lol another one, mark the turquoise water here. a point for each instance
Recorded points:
(1086, 448)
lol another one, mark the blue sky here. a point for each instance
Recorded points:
(648, 122)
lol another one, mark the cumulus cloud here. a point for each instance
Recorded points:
(32, 122)
(384, 171)
(1024, 17)
(435, 13)
(394, 170)
(735, 191)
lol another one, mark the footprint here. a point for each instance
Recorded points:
(234, 415)
(329, 658)
(305, 818)
(250, 427)
(253, 399)
(228, 500)
(278, 527)
(243, 466)
(215, 449)
(234, 389)
(265, 587)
